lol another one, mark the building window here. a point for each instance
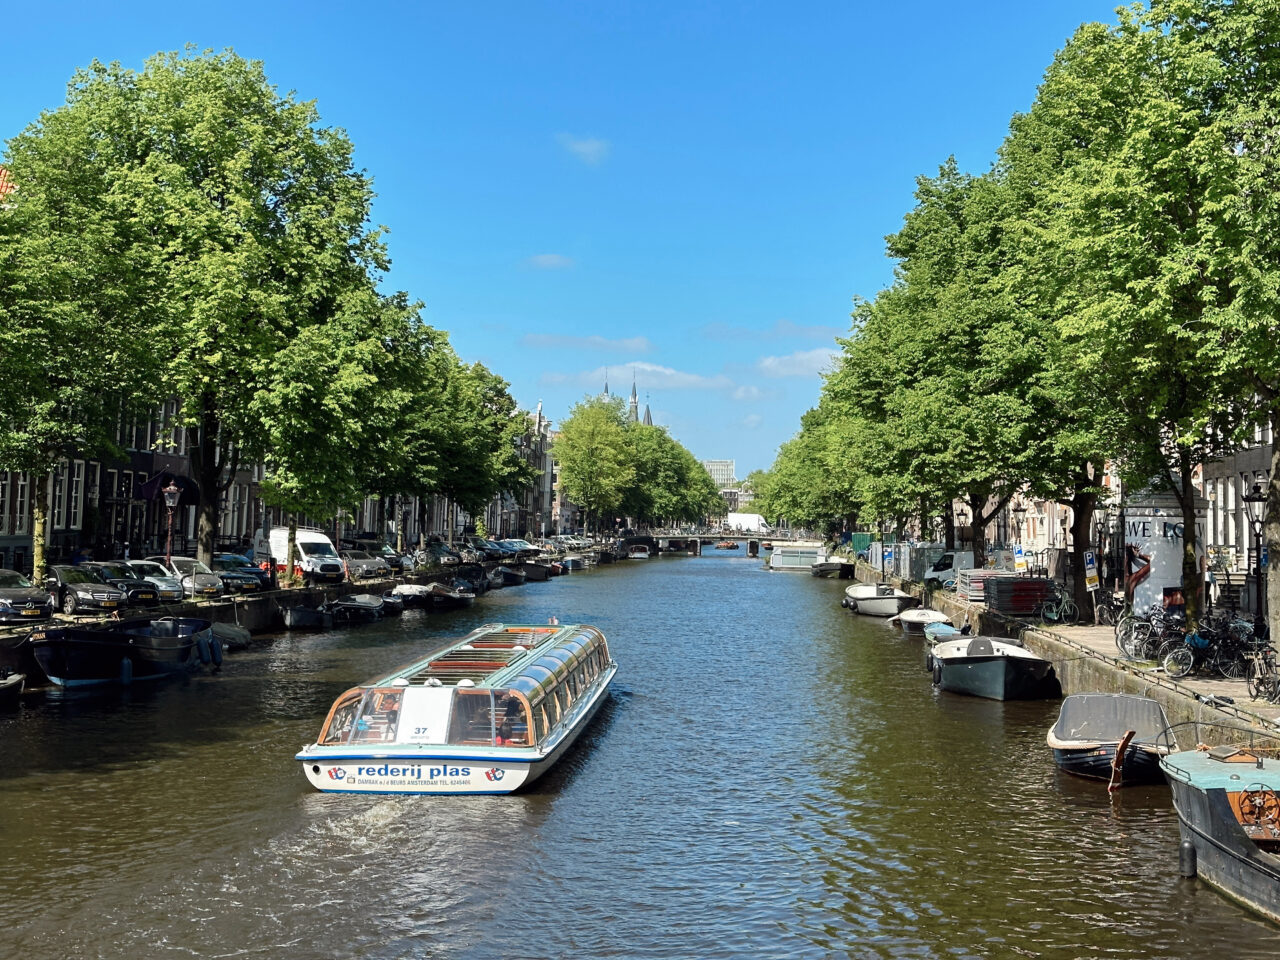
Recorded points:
(58, 485)
(4, 502)
(75, 495)
(22, 518)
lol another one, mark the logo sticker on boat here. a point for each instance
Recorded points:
(337, 773)
(494, 774)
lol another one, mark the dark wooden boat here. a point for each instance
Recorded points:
(307, 618)
(392, 605)
(356, 608)
(137, 649)
(1228, 803)
(11, 684)
(1116, 737)
(535, 571)
(511, 576)
(449, 596)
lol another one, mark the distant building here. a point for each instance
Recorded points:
(721, 472)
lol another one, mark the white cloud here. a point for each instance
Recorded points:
(752, 420)
(550, 261)
(803, 363)
(648, 376)
(554, 341)
(590, 150)
(748, 391)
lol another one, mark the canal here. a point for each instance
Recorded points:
(772, 777)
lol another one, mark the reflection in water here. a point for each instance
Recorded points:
(771, 777)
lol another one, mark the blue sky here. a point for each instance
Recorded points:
(690, 192)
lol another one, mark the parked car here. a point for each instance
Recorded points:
(138, 593)
(315, 558)
(168, 587)
(398, 562)
(436, 553)
(486, 548)
(524, 550)
(21, 600)
(198, 581)
(363, 564)
(238, 563)
(75, 589)
(236, 576)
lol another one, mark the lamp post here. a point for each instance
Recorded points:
(962, 520)
(1256, 503)
(171, 494)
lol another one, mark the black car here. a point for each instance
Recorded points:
(243, 566)
(138, 593)
(75, 589)
(487, 549)
(20, 600)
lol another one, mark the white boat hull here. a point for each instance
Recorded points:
(885, 606)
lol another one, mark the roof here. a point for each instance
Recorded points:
(7, 186)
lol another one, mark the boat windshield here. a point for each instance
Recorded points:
(489, 717)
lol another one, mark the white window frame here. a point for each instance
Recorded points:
(75, 496)
(22, 505)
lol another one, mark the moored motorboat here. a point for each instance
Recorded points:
(638, 551)
(135, 649)
(836, 567)
(1228, 803)
(1117, 737)
(914, 621)
(511, 576)
(306, 618)
(573, 562)
(991, 668)
(392, 605)
(448, 596)
(536, 571)
(488, 714)
(887, 601)
(11, 684)
(943, 630)
(356, 608)
(413, 594)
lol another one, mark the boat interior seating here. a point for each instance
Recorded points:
(981, 647)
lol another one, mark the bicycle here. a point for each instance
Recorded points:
(1059, 608)
(1263, 680)
(1110, 610)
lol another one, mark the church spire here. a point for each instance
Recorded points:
(606, 382)
(633, 410)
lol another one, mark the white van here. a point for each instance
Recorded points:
(314, 553)
(947, 566)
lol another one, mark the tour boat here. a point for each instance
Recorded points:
(1228, 803)
(991, 668)
(1117, 737)
(489, 714)
(638, 551)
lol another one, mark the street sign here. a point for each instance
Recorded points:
(1091, 571)
(1019, 559)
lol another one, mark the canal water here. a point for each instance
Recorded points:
(772, 777)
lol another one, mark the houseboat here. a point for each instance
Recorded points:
(488, 714)
(797, 557)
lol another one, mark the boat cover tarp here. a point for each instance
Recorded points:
(1106, 717)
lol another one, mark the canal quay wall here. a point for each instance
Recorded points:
(1086, 660)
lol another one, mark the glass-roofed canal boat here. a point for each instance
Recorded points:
(488, 714)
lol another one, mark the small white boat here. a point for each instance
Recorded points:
(638, 551)
(857, 591)
(887, 601)
(489, 714)
(914, 621)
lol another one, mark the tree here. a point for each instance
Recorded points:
(76, 300)
(591, 452)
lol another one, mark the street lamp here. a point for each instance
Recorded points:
(171, 494)
(1256, 503)
(962, 520)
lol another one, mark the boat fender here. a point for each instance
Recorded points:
(126, 671)
(937, 672)
(202, 647)
(1187, 859)
(928, 663)
(215, 650)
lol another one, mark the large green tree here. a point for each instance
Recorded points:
(592, 456)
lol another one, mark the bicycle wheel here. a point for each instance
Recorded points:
(1230, 663)
(1068, 612)
(1179, 661)
(1258, 682)
(1107, 614)
(1124, 634)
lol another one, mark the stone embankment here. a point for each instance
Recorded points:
(1086, 660)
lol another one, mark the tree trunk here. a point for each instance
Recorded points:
(39, 526)
(1083, 503)
(977, 531)
(1192, 579)
(206, 468)
(1271, 524)
(949, 527)
(291, 552)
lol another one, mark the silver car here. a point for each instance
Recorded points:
(198, 581)
(363, 564)
(167, 585)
